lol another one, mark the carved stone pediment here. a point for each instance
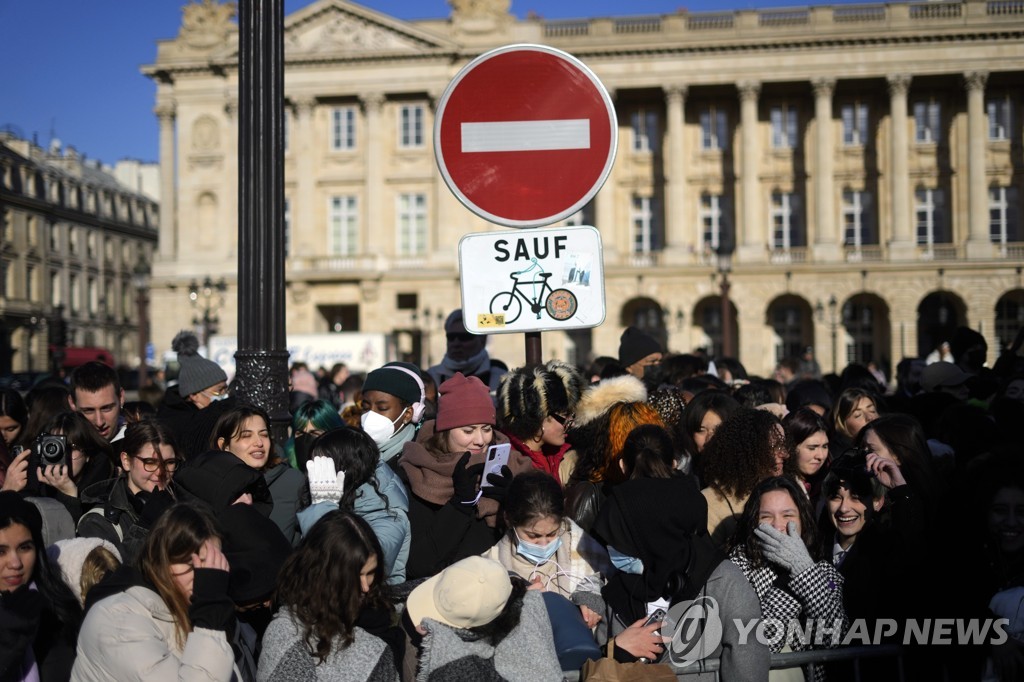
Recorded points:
(206, 24)
(335, 26)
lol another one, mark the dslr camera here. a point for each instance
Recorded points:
(51, 450)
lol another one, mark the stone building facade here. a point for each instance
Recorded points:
(865, 162)
(73, 236)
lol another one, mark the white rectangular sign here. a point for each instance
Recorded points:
(361, 352)
(532, 280)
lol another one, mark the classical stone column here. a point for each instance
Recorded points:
(751, 238)
(902, 242)
(302, 208)
(374, 210)
(677, 237)
(827, 245)
(604, 205)
(168, 246)
(979, 243)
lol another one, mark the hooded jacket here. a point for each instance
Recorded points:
(387, 514)
(128, 633)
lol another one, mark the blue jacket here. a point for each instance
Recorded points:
(386, 513)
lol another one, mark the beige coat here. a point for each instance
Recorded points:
(130, 636)
(723, 515)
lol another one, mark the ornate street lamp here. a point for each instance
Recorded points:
(207, 298)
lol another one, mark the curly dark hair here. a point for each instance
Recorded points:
(749, 519)
(319, 583)
(742, 453)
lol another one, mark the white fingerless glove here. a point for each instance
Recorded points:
(325, 485)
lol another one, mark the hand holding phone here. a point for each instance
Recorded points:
(497, 457)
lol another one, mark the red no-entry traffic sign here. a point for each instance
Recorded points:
(525, 135)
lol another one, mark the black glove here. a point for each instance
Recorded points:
(499, 484)
(211, 608)
(464, 482)
(154, 505)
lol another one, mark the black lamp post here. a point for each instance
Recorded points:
(207, 298)
(724, 266)
(833, 322)
(140, 280)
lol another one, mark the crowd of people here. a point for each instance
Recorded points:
(473, 522)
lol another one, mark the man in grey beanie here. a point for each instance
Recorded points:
(192, 407)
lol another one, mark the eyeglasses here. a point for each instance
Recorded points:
(219, 392)
(151, 464)
(464, 337)
(565, 420)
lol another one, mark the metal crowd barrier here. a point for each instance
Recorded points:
(798, 658)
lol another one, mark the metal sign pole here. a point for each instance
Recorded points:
(533, 350)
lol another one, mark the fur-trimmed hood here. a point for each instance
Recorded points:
(600, 397)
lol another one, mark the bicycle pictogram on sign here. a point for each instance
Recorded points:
(560, 304)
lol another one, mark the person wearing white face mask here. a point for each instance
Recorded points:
(546, 548)
(393, 405)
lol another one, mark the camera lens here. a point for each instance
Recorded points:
(51, 449)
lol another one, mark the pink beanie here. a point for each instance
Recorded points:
(463, 401)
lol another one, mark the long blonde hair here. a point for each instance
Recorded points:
(175, 537)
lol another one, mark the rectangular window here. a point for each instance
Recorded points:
(714, 129)
(711, 220)
(412, 224)
(929, 209)
(343, 235)
(855, 124)
(75, 299)
(30, 283)
(93, 293)
(784, 126)
(1000, 118)
(584, 216)
(646, 220)
(410, 133)
(56, 295)
(54, 237)
(1003, 214)
(5, 272)
(343, 128)
(927, 121)
(644, 123)
(786, 225)
(857, 218)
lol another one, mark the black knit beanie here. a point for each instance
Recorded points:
(391, 379)
(635, 345)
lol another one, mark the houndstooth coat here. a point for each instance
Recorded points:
(816, 594)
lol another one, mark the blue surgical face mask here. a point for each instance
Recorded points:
(534, 553)
(624, 562)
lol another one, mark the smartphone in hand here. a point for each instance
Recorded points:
(497, 457)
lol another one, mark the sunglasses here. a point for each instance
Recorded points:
(565, 420)
(460, 337)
